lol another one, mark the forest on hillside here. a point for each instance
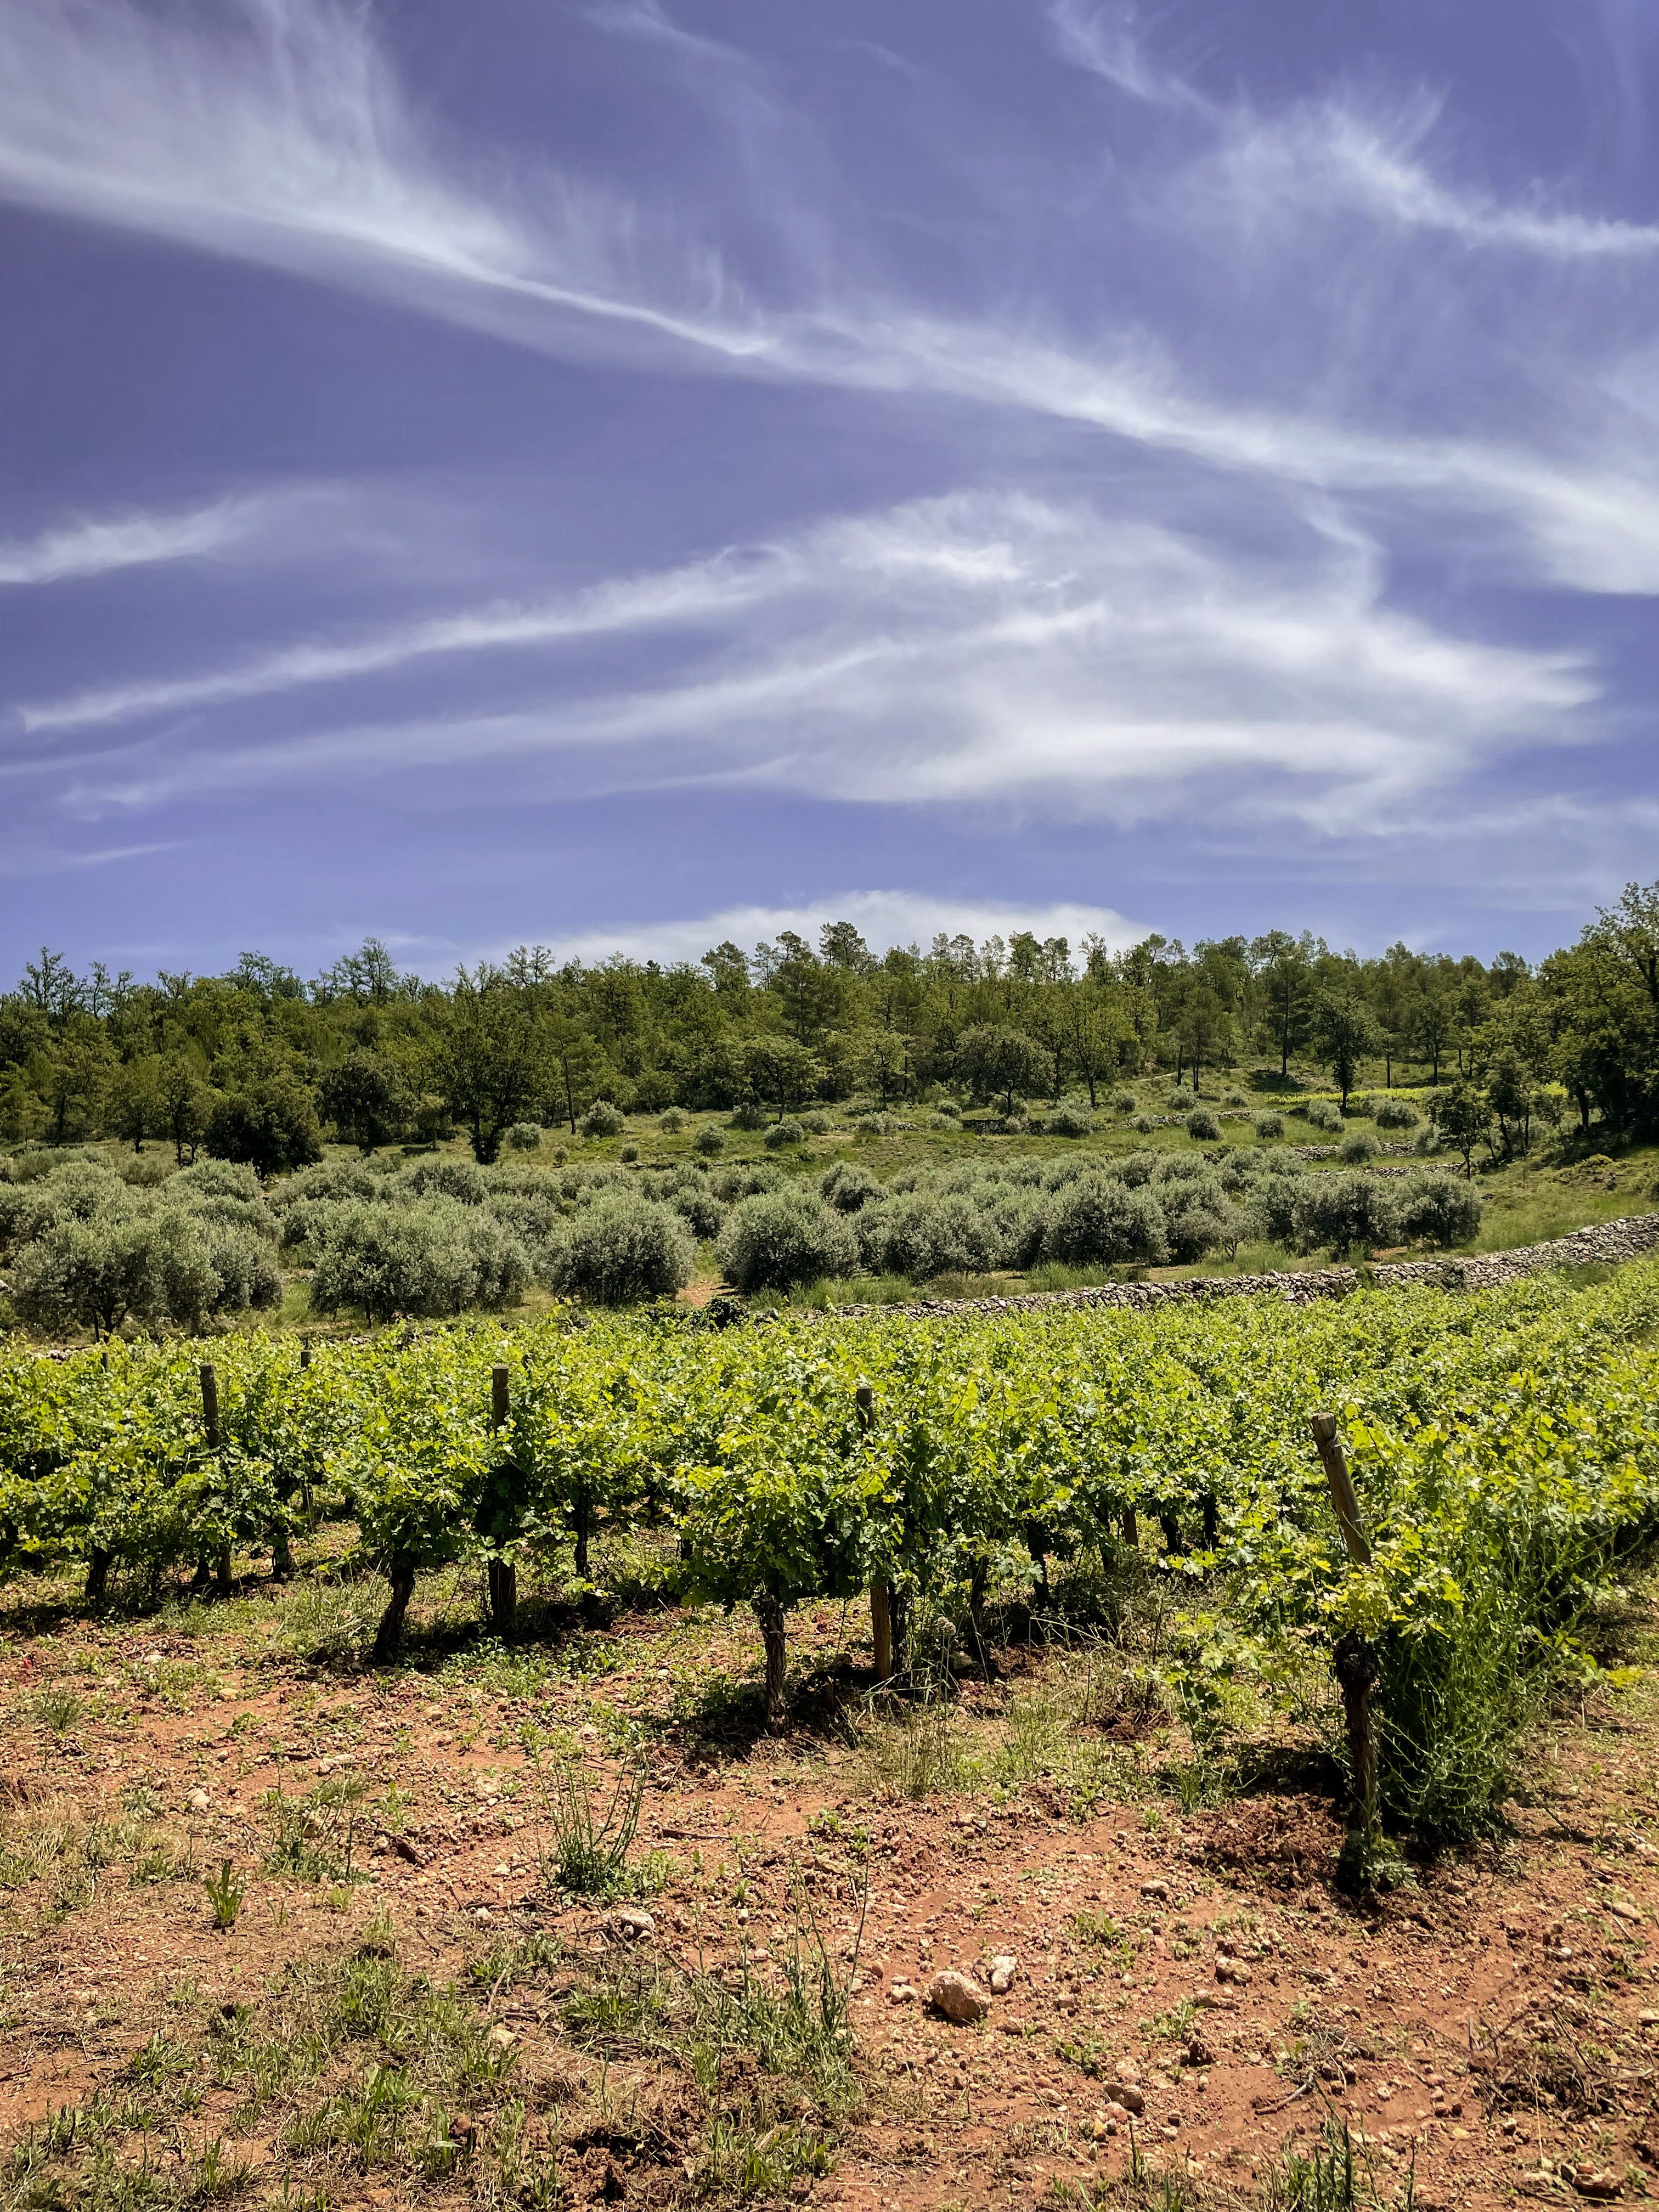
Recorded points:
(259, 1066)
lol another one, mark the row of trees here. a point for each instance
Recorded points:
(255, 1064)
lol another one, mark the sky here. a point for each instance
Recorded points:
(618, 474)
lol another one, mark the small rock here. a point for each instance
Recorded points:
(501, 2039)
(1232, 1970)
(903, 1993)
(1647, 2019)
(198, 1801)
(1003, 1967)
(1157, 1887)
(630, 1923)
(1620, 1910)
(1131, 2099)
(957, 1997)
(1603, 2186)
(1127, 2070)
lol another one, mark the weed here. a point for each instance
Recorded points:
(226, 1891)
(1326, 2178)
(59, 1707)
(584, 1855)
(314, 1838)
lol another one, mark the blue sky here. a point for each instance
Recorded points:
(611, 474)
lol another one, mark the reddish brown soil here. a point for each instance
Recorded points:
(1488, 2029)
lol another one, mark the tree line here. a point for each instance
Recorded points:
(258, 1064)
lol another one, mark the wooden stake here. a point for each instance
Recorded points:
(1342, 1490)
(503, 1574)
(1354, 1663)
(211, 1405)
(881, 1603)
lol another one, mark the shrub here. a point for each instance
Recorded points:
(1357, 1146)
(1199, 1221)
(524, 1137)
(1202, 1125)
(623, 1248)
(602, 1119)
(782, 1238)
(922, 1235)
(673, 1121)
(1269, 1126)
(152, 1269)
(1124, 1102)
(877, 1125)
(1361, 1107)
(751, 1115)
(784, 1132)
(1438, 1208)
(1343, 1211)
(1099, 1222)
(1177, 1101)
(1321, 1114)
(441, 1177)
(436, 1258)
(628, 1154)
(710, 1141)
(949, 1109)
(816, 1125)
(1072, 1121)
(1396, 1114)
(1144, 1125)
(847, 1187)
(1235, 1098)
(699, 1208)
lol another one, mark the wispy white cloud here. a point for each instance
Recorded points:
(1326, 158)
(694, 594)
(885, 919)
(983, 651)
(94, 545)
(1107, 41)
(283, 136)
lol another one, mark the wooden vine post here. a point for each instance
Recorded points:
(211, 1435)
(881, 1596)
(503, 1574)
(1354, 1660)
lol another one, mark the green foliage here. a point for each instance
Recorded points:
(271, 1126)
(781, 1238)
(225, 1890)
(602, 1119)
(523, 1136)
(439, 1258)
(584, 1851)
(785, 1132)
(623, 1248)
(1203, 1126)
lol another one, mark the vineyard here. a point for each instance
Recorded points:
(1504, 1449)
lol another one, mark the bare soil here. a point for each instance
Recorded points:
(1485, 2030)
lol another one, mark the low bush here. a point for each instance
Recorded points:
(620, 1249)
(1235, 1098)
(628, 1154)
(442, 1176)
(1358, 1146)
(1438, 1208)
(1124, 1102)
(848, 1185)
(1342, 1212)
(523, 1136)
(1396, 1114)
(1269, 1126)
(710, 1141)
(1143, 1125)
(782, 1238)
(1323, 1114)
(780, 1133)
(439, 1257)
(922, 1235)
(1071, 1121)
(602, 1119)
(751, 1115)
(816, 1125)
(1099, 1222)
(671, 1123)
(1203, 1126)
